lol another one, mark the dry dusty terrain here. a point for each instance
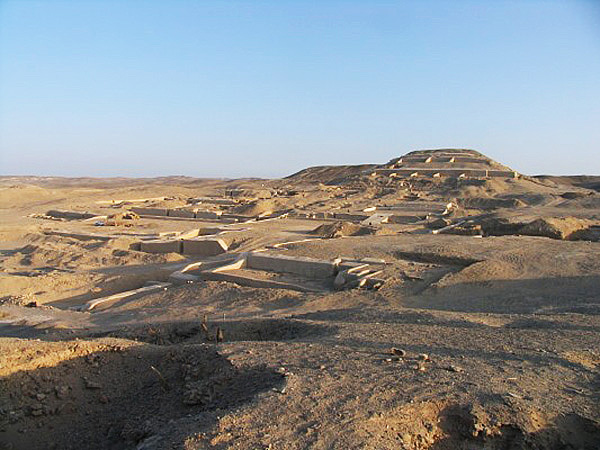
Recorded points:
(481, 331)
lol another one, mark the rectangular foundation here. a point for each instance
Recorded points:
(150, 211)
(161, 246)
(203, 247)
(307, 267)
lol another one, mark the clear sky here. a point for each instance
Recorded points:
(266, 88)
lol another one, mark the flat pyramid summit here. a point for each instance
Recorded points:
(445, 162)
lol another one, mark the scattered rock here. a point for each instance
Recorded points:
(61, 391)
(398, 351)
(91, 384)
(37, 412)
(340, 281)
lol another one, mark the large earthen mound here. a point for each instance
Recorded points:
(446, 159)
(554, 227)
(331, 175)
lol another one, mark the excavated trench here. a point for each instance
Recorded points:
(231, 331)
(436, 258)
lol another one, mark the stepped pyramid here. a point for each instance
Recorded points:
(460, 163)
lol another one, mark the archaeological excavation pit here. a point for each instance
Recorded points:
(212, 326)
(269, 270)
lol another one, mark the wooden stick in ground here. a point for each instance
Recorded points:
(204, 326)
(162, 379)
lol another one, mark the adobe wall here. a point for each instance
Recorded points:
(415, 206)
(70, 215)
(207, 214)
(181, 212)
(150, 211)
(161, 246)
(350, 217)
(451, 159)
(306, 267)
(203, 247)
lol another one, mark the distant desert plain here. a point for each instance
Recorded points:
(438, 301)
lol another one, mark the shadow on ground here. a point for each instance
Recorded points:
(123, 396)
(226, 331)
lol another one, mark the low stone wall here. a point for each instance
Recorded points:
(127, 295)
(80, 236)
(181, 212)
(214, 201)
(444, 158)
(161, 246)
(237, 217)
(214, 215)
(414, 206)
(203, 247)
(307, 267)
(150, 211)
(342, 273)
(350, 217)
(502, 174)
(70, 215)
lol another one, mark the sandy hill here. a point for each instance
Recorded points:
(329, 174)
(583, 181)
(425, 160)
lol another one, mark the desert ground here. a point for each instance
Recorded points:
(438, 301)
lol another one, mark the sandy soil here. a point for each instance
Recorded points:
(473, 342)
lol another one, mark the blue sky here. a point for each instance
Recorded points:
(265, 88)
